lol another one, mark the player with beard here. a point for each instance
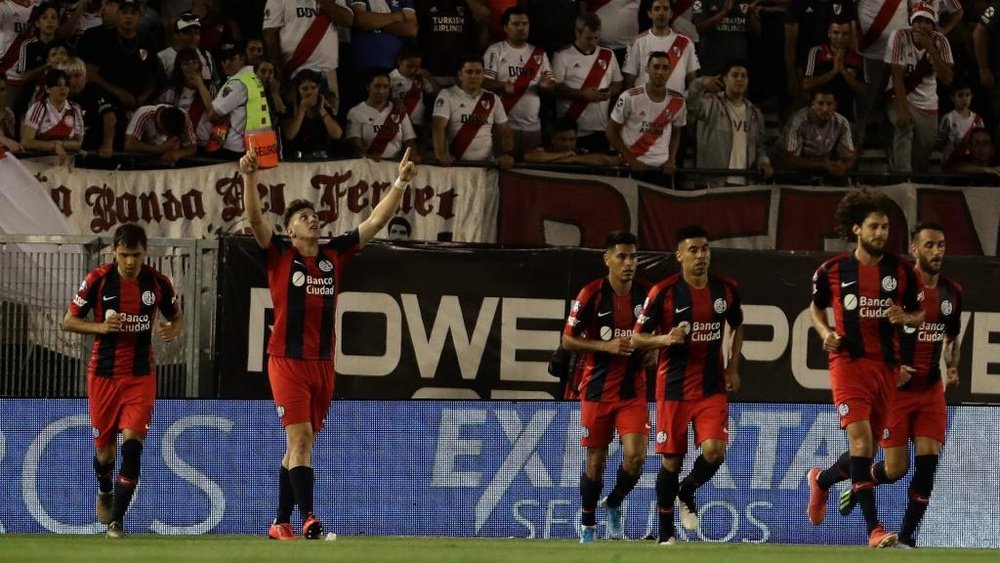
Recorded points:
(613, 388)
(918, 409)
(871, 292)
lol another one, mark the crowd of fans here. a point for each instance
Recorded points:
(652, 85)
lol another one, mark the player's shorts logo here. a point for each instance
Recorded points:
(661, 437)
(637, 312)
(606, 333)
(298, 279)
(325, 265)
(843, 409)
(148, 298)
(281, 411)
(720, 305)
(946, 307)
(885, 434)
(850, 302)
(889, 283)
(95, 431)
(586, 432)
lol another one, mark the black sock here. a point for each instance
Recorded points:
(590, 492)
(701, 473)
(920, 496)
(301, 478)
(624, 484)
(864, 489)
(105, 475)
(127, 479)
(666, 493)
(880, 476)
(286, 497)
(839, 471)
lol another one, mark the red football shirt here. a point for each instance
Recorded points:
(304, 293)
(920, 348)
(128, 351)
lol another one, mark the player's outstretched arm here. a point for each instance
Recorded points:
(251, 200)
(386, 208)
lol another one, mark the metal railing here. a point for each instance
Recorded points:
(39, 276)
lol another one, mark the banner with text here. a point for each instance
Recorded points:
(473, 469)
(443, 321)
(441, 204)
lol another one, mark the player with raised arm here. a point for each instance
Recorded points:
(304, 276)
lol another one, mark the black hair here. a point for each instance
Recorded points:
(615, 238)
(401, 221)
(512, 11)
(370, 77)
(856, 206)
(732, 63)
(295, 206)
(171, 120)
(691, 231)
(53, 76)
(130, 235)
(659, 55)
(925, 226)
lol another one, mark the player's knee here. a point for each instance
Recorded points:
(894, 470)
(131, 459)
(633, 463)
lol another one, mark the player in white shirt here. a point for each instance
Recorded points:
(162, 129)
(683, 60)
(294, 44)
(920, 58)
(465, 116)
(645, 126)
(376, 127)
(587, 76)
(517, 70)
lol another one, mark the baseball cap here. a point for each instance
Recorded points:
(922, 10)
(187, 20)
(229, 49)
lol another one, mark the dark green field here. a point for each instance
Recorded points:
(232, 549)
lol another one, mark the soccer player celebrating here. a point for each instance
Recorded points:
(918, 410)
(613, 388)
(304, 277)
(684, 314)
(121, 376)
(871, 292)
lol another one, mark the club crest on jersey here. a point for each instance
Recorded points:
(325, 265)
(946, 307)
(720, 305)
(889, 283)
(850, 302)
(637, 312)
(69, 120)
(661, 437)
(487, 103)
(601, 63)
(148, 298)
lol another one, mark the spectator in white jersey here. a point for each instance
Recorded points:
(587, 78)
(465, 119)
(683, 60)
(163, 130)
(645, 126)
(730, 127)
(920, 57)
(818, 139)
(54, 124)
(517, 71)
(377, 128)
(187, 35)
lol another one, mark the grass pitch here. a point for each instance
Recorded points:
(231, 549)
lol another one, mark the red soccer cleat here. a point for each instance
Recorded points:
(312, 528)
(817, 498)
(282, 532)
(879, 538)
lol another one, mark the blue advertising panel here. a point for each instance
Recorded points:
(476, 468)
